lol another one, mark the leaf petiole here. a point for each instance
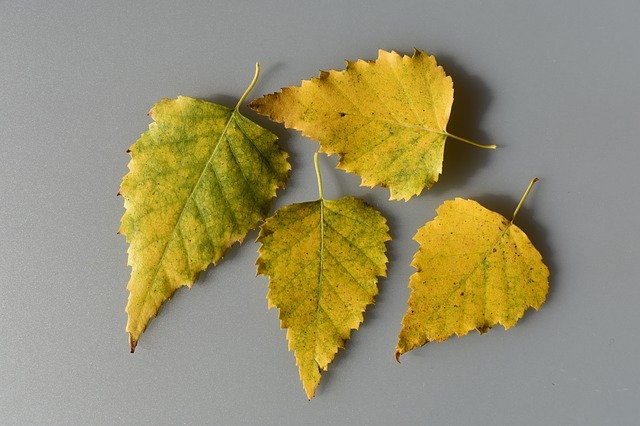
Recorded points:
(524, 197)
(470, 142)
(253, 83)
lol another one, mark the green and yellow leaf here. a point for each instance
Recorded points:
(322, 259)
(199, 180)
(386, 119)
(475, 269)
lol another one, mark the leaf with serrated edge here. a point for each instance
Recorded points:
(386, 119)
(322, 259)
(475, 269)
(199, 180)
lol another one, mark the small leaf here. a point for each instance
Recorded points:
(386, 119)
(322, 259)
(199, 180)
(475, 269)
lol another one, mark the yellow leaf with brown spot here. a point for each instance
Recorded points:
(322, 259)
(199, 180)
(386, 119)
(475, 269)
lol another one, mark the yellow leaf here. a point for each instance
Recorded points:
(386, 119)
(199, 180)
(475, 269)
(322, 259)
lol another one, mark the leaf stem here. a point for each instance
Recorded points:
(524, 197)
(253, 83)
(470, 142)
(318, 175)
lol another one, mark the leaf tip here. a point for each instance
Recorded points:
(255, 104)
(132, 343)
(398, 354)
(310, 391)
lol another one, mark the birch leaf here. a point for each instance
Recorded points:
(322, 258)
(475, 269)
(199, 180)
(386, 119)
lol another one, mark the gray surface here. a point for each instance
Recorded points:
(553, 83)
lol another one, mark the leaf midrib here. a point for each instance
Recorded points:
(320, 276)
(400, 124)
(464, 280)
(193, 190)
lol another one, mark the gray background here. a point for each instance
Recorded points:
(554, 84)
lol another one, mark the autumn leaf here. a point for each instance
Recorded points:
(386, 119)
(475, 269)
(199, 180)
(322, 258)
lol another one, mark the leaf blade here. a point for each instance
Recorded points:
(474, 269)
(322, 259)
(386, 119)
(199, 179)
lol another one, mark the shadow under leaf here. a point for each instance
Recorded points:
(471, 99)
